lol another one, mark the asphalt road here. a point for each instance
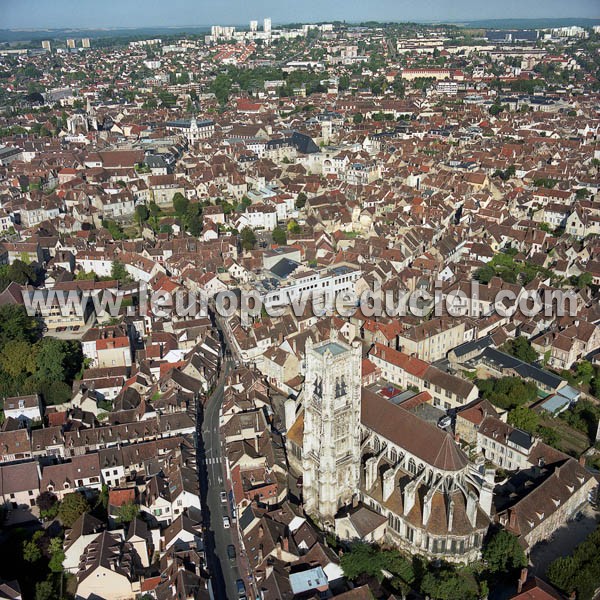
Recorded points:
(211, 475)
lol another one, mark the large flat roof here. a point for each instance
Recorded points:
(333, 347)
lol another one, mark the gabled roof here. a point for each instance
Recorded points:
(394, 423)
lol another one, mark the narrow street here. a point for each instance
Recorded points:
(211, 473)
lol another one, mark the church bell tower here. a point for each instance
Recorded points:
(331, 444)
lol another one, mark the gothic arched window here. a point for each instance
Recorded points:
(318, 387)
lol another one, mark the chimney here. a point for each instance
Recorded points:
(278, 546)
(522, 580)
(286, 544)
(582, 460)
(354, 501)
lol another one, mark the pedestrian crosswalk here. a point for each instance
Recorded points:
(214, 460)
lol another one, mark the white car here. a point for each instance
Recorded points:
(226, 522)
(444, 422)
(223, 496)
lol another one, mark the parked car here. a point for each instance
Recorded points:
(226, 522)
(223, 496)
(241, 588)
(444, 422)
(231, 552)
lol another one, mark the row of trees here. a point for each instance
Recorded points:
(502, 556)
(580, 572)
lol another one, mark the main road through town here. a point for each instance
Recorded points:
(224, 572)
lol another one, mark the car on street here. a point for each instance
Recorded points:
(231, 552)
(444, 422)
(241, 588)
(223, 496)
(226, 522)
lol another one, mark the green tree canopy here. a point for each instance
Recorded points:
(180, 204)
(248, 238)
(57, 555)
(119, 272)
(521, 348)
(364, 559)
(72, 507)
(503, 553)
(31, 551)
(15, 324)
(127, 512)
(279, 236)
(507, 392)
(580, 572)
(524, 418)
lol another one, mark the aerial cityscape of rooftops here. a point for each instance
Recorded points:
(299, 312)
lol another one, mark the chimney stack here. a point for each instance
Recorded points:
(522, 580)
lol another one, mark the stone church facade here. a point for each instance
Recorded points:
(356, 444)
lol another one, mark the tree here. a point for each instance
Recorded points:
(521, 348)
(248, 238)
(221, 87)
(58, 360)
(141, 213)
(507, 392)
(584, 372)
(55, 392)
(580, 572)
(154, 212)
(485, 274)
(279, 236)
(180, 204)
(31, 551)
(18, 357)
(293, 226)
(364, 559)
(127, 512)
(301, 200)
(47, 502)
(72, 507)
(503, 553)
(495, 110)
(524, 418)
(119, 272)
(57, 555)
(44, 590)
(85, 276)
(193, 219)
(357, 119)
(16, 324)
(584, 280)
(448, 584)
